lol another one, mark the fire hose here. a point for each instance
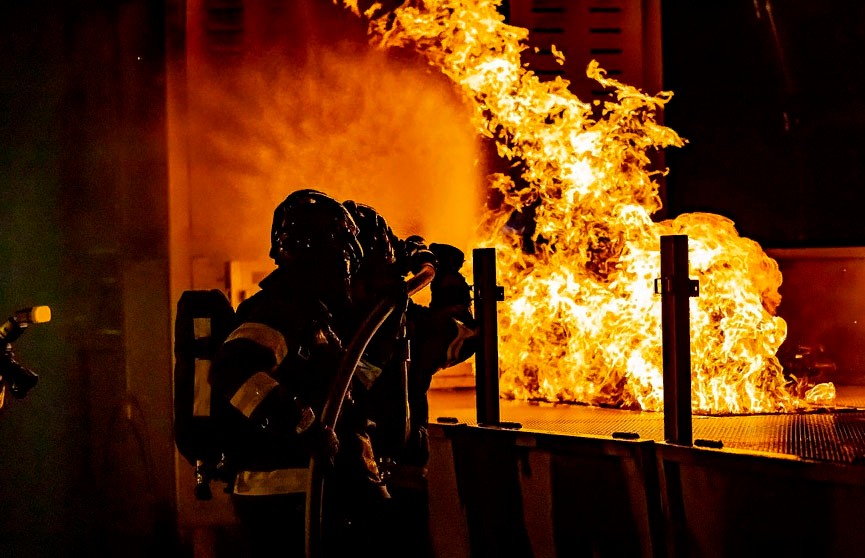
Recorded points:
(339, 388)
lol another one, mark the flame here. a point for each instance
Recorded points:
(577, 248)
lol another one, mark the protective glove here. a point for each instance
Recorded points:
(450, 258)
(322, 444)
(414, 254)
(449, 287)
(283, 413)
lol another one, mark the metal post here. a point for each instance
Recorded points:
(676, 288)
(486, 296)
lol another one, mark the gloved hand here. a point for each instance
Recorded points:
(449, 287)
(450, 258)
(302, 415)
(414, 254)
(322, 444)
(283, 414)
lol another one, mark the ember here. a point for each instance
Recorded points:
(581, 321)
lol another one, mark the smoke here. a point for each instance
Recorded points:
(357, 123)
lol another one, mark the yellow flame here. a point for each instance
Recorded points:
(577, 248)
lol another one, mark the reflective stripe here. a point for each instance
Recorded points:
(201, 389)
(463, 333)
(280, 481)
(263, 335)
(201, 327)
(252, 393)
(201, 382)
(367, 373)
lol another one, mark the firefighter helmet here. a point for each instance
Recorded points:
(312, 229)
(375, 236)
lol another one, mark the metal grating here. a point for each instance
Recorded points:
(836, 435)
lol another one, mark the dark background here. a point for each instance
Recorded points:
(774, 117)
(83, 195)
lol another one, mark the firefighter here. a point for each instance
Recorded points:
(273, 373)
(399, 364)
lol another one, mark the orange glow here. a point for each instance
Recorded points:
(580, 321)
(311, 110)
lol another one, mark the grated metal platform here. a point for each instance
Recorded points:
(836, 435)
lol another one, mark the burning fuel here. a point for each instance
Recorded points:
(577, 248)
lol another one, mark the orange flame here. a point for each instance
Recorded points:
(577, 248)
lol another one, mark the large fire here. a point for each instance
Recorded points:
(577, 248)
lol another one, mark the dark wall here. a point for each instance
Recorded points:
(36, 446)
(82, 178)
(771, 96)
